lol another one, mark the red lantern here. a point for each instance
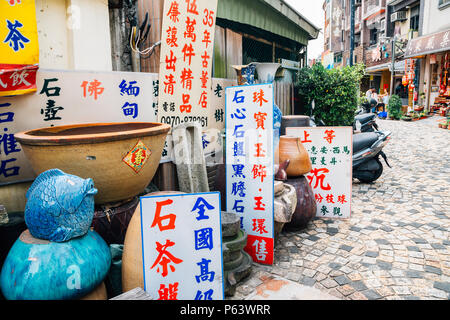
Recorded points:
(405, 80)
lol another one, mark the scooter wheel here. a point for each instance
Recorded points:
(371, 176)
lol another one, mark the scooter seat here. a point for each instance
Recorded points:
(364, 118)
(363, 140)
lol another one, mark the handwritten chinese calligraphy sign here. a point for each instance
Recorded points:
(71, 97)
(330, 150)
(182, 248)
(212, 139)
(249, 169)
(19, 49)
(186, 61)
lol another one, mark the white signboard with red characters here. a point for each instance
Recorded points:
(330, 150)
(186, 61)
(66, 97)
(249, 169)
(182, 247)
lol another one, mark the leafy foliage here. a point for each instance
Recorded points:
(335, 93)
(394, 107)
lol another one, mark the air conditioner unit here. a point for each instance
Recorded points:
(398, 16)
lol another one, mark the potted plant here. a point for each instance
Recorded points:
(394, 107)
(422, 97)
(406, 117)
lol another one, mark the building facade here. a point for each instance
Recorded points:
(433, 50)
(380, 26)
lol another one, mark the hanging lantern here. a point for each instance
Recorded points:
(405, 80)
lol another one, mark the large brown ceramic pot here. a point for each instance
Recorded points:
(132, 270)
(306, 204)
(291, 148)
(121, 158)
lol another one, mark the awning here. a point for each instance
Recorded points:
(274, 16)
(379, 67)
(399, 67)
(428, 44)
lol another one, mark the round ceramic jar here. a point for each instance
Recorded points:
(42, 270)
(292, 149)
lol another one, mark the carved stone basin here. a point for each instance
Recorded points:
(121, 158)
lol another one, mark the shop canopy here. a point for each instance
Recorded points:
(399, 67)
(428, 44)
(274, 16)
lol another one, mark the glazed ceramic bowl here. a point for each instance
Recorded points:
(121, 158)
(38, 269)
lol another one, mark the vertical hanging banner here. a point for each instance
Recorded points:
(19, 48)
(187, 43)
(249, 168)
(181, 246)
(330, 150)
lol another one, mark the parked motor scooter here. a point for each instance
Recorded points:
(367, 149)
(365, 122)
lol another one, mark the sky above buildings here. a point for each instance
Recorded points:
(311, 10)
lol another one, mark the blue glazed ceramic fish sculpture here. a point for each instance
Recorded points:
(59, 206)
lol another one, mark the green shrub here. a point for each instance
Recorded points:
(394, 107)
(335, 93)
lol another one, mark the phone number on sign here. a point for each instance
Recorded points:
(176, 120)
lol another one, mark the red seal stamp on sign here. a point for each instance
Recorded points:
(137, 157)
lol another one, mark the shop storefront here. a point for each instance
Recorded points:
(434, 52)
(378, 64)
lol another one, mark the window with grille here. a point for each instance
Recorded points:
(444, 4)
(374, 33)
(414, 19)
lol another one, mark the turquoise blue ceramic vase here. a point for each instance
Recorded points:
(41, 270)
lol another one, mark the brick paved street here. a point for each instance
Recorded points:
(396, 244)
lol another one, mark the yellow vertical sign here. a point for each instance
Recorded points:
(19, 48)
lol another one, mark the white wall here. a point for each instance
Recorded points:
(435, 20)
(74, 34)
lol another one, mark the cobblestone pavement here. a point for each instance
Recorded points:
(396, 244)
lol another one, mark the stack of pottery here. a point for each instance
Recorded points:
(285, 203)
(237, 263)
(111, 221)
(291, 148)
(57, 257)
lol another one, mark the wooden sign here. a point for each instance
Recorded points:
(330, 150)
(249, 169)
(71, 97)
(19, 48)
(182, 246)
(212, 139)
(428, 44)
(186, 61)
